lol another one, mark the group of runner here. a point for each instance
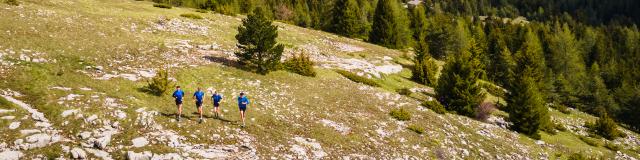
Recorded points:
(216, 98)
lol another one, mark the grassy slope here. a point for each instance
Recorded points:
(83, 33)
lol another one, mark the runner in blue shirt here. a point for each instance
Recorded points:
(177, 95)
(243, 101)
(216, 98)
(199, 97)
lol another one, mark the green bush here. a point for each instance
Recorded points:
(562, 108)
(300, 64)
(590, 141)
(202, 11)
(160, 84)
(435, 106)
(357, 78)
(162, 5)
(400, 114)
(560, 127)
(605, 127)
(404, 91)
(493, 89)
(416, 128)
(191, 15)
(12, 2)
(612, 146)
(577, 156)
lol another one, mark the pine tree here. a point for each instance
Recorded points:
(526, 107)
(597, 98)
(419, 24)
(439, 36)
(390, 25)
(257, 42)
(425, 67)
(531, 61)
(457, 87)
(346, 19)
(505, 65)
(566, 59)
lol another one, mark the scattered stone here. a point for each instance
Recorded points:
(139, 142)
(101, 143)
(78, 153)
(69, 112)
(8, 117)
(2, 111)
(139, 156)
(85, 135)
(11, 155)
(337, 126)
(29, 131)
(14, 125)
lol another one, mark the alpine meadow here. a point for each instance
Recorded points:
(319, 79)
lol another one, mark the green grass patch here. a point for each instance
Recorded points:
(202, 11)
(435, 106)
(358, 79)
(12, 2)
(191, 15)
(163, 5)
(590, 141)
(400, 114)
(416, 128)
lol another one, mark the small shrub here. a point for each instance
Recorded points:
(416, 128)
(493, 89)
(577, 156)
(12, 2)
(612, 146)
(357, 78)
(191, 15)
(590, 141)
(484, 110)
(605, 127)
(300, 64)
(562, 108)
(162, 5)
(400, 114)
(435, 106)
(160, 84)
(404, 91)
(560, 127)
(202, 11)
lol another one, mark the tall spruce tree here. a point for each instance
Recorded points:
(346, 18)
(257, 42)
(506, 64)
(425, 68)
(597, 99)
(531, 61)
(457, 87)
(390, 25)
(526, 109)
(566, 58)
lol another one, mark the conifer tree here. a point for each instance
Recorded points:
(457, 87)
(531, 61)
(257, 42)
(346, 20)
(425, 67)
(526, 107)
(597, 98)
(390, 25)
(505, 65)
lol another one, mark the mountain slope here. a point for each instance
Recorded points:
(82, 64)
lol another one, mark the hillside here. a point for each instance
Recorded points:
(72, 73)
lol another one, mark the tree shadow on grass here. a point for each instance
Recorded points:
(224, 61)
(173, 115)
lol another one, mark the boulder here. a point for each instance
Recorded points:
(139, 156)
(101, 143)
(78, 153)
(11, 155)
(140, 142)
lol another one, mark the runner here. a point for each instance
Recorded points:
(216, 98)
(243, 101)
(198, 96)
(177, 95)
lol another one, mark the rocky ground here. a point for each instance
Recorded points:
(74, 91)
